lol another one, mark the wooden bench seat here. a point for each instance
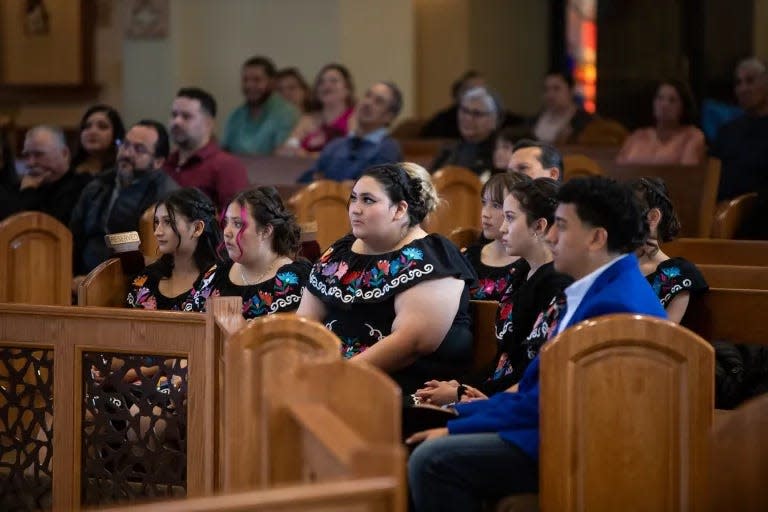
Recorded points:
(735, 276)
(729, 315)
(719, 252)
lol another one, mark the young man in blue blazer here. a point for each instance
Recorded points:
(491, 450)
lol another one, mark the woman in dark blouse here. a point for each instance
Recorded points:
(261, 238)
(529, 211)
(188, 236)
(397, 297)
(496, 268)
(674, 280)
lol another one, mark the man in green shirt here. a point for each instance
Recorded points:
(266, 120)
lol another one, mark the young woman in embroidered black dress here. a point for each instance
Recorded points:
(673, 279)
(496, 268)
(529, 211)
(397, 297)
(261, 238)
(188, 236)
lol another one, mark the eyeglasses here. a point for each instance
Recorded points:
(139, 149)
(475, 114)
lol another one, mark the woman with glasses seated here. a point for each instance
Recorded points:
(480, 115)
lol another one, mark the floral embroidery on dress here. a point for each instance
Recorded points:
(285, 293)
(378, 280)
(351, 347)
(145, 293)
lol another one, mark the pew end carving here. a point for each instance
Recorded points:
(625, 418)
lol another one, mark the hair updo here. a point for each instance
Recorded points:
(652, 193)
(267, 209)
(537, 198)
(193, 205)
(407, 182)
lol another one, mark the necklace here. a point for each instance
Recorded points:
(260, 276)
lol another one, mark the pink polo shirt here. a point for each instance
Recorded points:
(211, 169)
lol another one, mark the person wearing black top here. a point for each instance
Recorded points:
(261, 238)
(49, 186)
(496, 269)
(674, 280)
(529, 210)
(397, 297)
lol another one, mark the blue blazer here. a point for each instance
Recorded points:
(621, 288)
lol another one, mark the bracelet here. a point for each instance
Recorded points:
(460, 391)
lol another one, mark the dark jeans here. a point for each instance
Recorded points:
(460, 472)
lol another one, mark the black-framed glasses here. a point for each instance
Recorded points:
(139, 149)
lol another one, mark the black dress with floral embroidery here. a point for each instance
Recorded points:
(144, 292)
(493, 282)
(674, 276)
(359, 291)
(280, 294)
(517, 316)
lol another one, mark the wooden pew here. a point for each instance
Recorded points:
(324, 202)
(692, 189)
(106, 286)
(459, 188)
(149, 247)
(730, 315)
(422, 151)
(358, 495)
(464, 237)
(719, 252)
(740, 458)
(735, 276)
(626, 410)
(35, 260)
(484, 343)
(113, 438)
(731, 214)
(576, 165)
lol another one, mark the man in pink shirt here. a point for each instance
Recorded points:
(198, 161)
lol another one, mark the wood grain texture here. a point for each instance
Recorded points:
(740, 458)
(719, 252)
(626, 413)
(106, 285)
(35, 260)
(324, 202)
(459, 190)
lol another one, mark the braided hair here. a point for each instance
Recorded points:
(194, 205)
(652, 193)
(537, 198)
(267, 209)
(410, 183)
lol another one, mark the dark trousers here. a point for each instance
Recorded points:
(460, 472)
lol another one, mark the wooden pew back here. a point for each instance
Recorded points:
(740, 458)
(625, 416)
(735, 277)
(731, 215)
(149, 247)
(692, 189)
(719, 252)
(459, 188)
(114, 439)
(359, 495)
(35, 260)
(292, 405)
(259, 363)
(106, 286)
(324, 202)
(485, 345)
(730, 315)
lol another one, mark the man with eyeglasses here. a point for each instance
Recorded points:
(115, 200)
(49, 184)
